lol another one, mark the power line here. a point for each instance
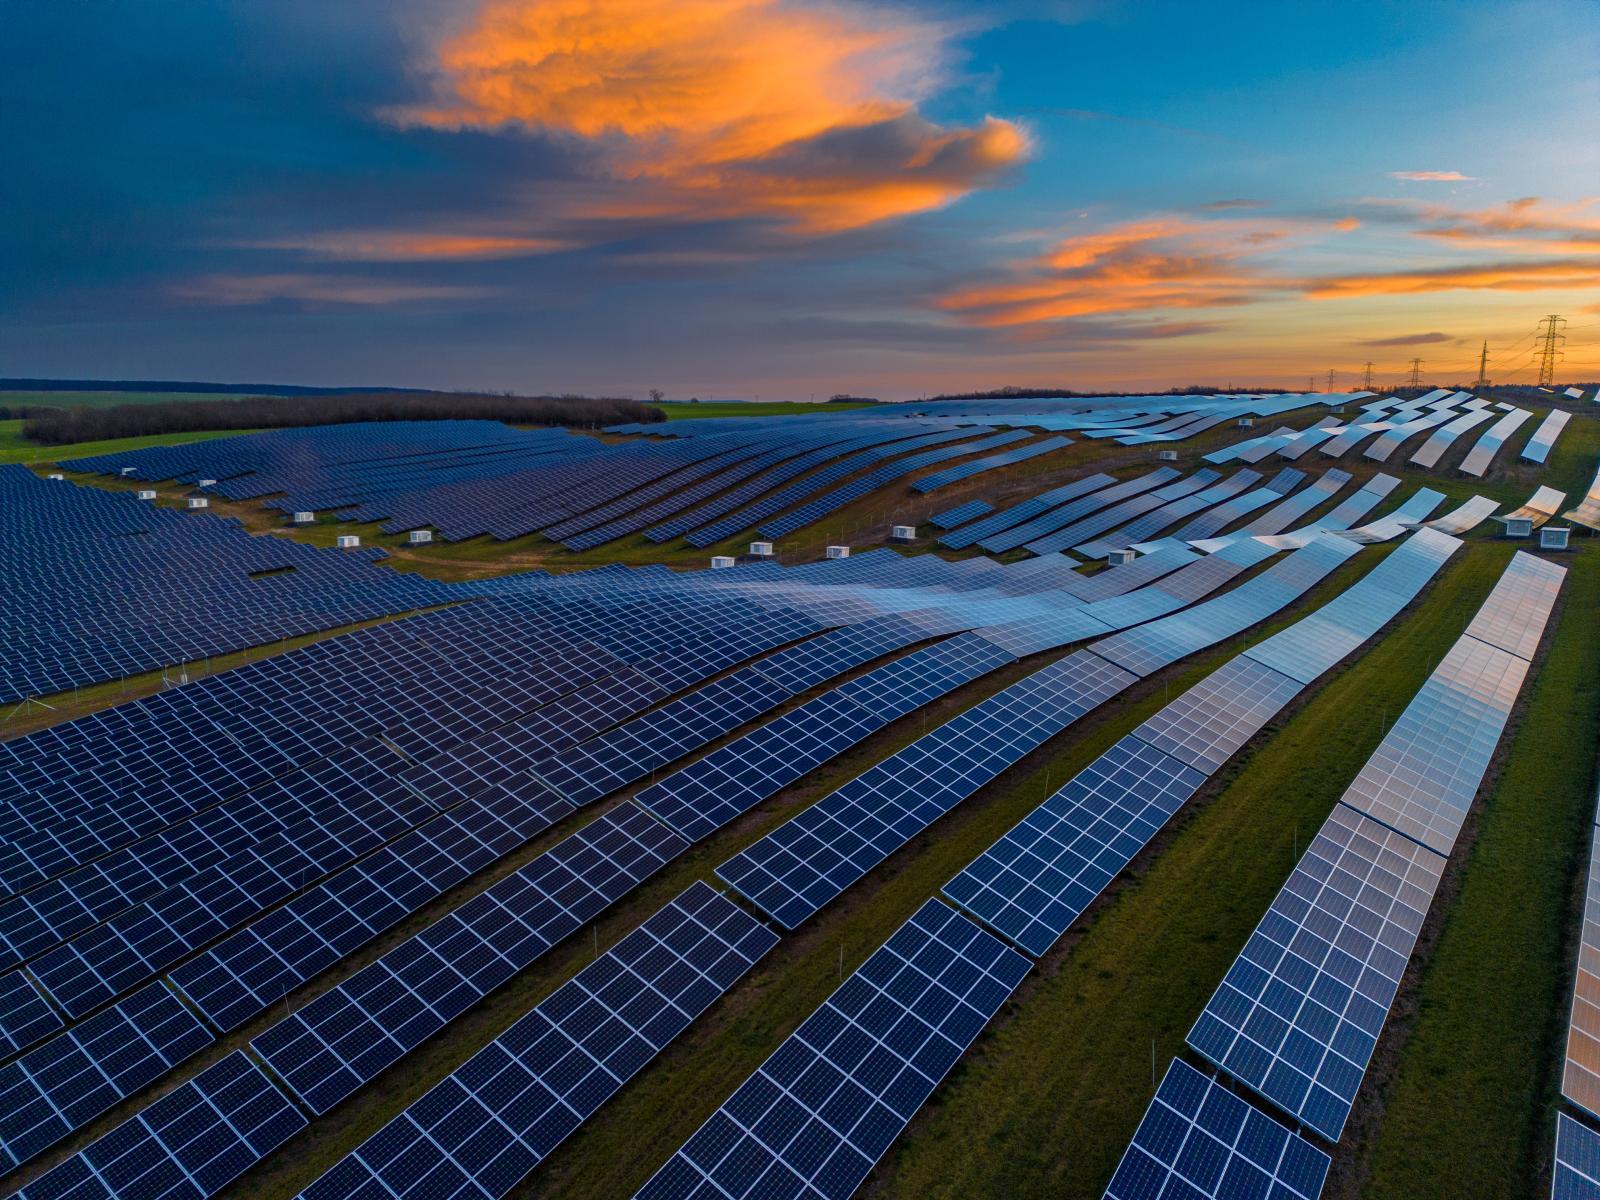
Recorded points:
(1553, 340)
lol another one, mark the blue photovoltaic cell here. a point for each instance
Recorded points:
(1577, 1167)
(817, 1115)
(1198, 1140)
(478, 1132)
(188, 1145)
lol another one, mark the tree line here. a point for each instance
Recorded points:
(62, 426)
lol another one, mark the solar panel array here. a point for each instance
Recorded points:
(1539, 507)
(1088, 527)
(1580, 1079)
(817, 1115)
(815, 510)
(345, 1037)
(1587, 512)
(1299, 1014)
(1034, 882)
(484, 1127)
(410, 764)
(100, 586)
(1060, 516)
(806, 862)
(801, 865)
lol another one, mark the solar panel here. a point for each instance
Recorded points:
(1037, 879)
(1515, 613)
(187, 1145)
(818, 1114)
(1209, 722)
(482, 1129)
(960, 514)
(1577, 1165)
(1482, 455)
(347, 1036)
(1298, 1015)
(1580, 1079)
(1198, 1140)
(1425, 772)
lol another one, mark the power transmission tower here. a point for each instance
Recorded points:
(1483, 366)
(1416, 372)
(1331, 374)
(1311, 383)
(1553, 341)
(1366, 379)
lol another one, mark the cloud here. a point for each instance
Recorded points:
(1347, 224)
(419, 246)
(1162, 263)
(235, 290)
(1521, 276)
(1406, 339)
(693, 110)
(1222, 205)
(1433, 176)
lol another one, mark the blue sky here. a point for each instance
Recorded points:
(741, 197)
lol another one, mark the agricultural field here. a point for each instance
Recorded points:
(520, 759)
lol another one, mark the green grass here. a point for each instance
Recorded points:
(108, 399)
(1477, 1081)
(678, 410)
(14, 448)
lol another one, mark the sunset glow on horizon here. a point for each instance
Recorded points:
(783, 198)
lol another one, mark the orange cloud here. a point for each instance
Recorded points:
(1433, 176)
(699, 109)
(236, 290)
(1510, 277)
(1156, 264)
(385, 246)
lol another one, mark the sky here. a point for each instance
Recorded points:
(785, 200)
